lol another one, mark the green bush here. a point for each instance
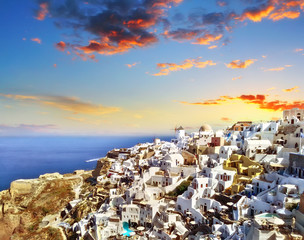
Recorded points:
(190, 178)
(180, 189)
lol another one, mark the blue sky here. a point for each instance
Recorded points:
(49, 91)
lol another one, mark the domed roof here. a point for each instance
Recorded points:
(205, 128)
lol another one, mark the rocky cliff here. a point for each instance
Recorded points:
(28, 202)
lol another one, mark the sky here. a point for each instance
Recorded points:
(144, 67)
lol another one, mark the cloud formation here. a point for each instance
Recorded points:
(26, 129)
(226, 119)
(113, 26)
(237, 78)
(240, 64)
(61, 46)
(260, 100)
(131, 65)
(207, 39)
(274, 10)
(166, 68)
(296, 89)
(69, 104)
(278, 69)
(43, 11)
(117, 26)
(298, 49)
(212, 47)
(37, 40)
(271, 89)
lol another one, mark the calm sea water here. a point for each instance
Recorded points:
(29, 157)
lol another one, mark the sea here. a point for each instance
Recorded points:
(29, 157)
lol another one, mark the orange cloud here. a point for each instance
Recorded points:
(107, 48)
(260, 100)
(275, 69)
(278, 69)
(299, 50)
(42, 12)
(256, 14)
(296, 89)
(55, 65)
(61, 46)
(165, 3)
(237, 78)
(207, 39)
(275, 118)
(270, 89)
(274, 10)
(84, 56)
(18, 97)
(225, 119)
(240, 64)
(280, 15)
(37, 40)
(140, 23)
(212, 47)
(166, 68)
(131, 65)
(70, 104)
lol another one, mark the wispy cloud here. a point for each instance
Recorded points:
(240, 64)
(237, 78)
(37, 40)
(42, 11)
(69, 104)
(294, 89)
(166, 68)
(212, 47)
(226, 119)
(260, 100)
(27, 129)
(298, 49)
(132, 65)
(207, 39)
(61, 46)
(271, 89)
(278, 69)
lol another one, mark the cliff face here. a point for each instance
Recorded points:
(33, 208)
(27, 202)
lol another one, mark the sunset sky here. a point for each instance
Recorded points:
(128, 67)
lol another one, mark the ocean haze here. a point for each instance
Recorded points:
(29, 157)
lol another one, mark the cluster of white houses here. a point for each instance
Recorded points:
(246, 182)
